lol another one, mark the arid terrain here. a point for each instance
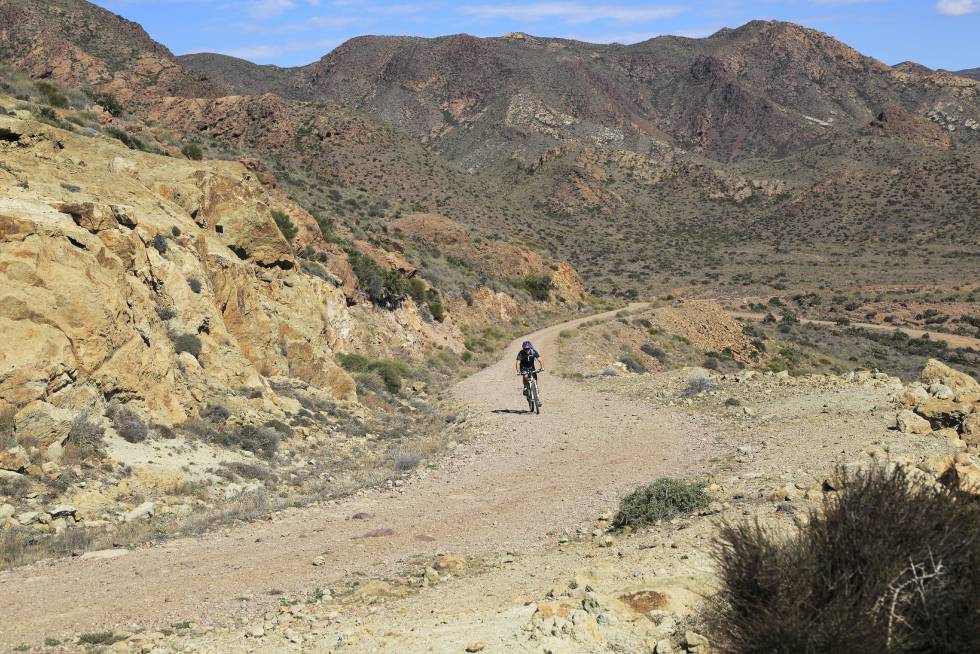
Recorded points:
(257, 387)
(507, 541)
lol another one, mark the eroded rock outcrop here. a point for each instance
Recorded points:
(165, 284)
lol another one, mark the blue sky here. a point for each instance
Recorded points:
(937, 33)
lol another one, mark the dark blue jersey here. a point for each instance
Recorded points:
(527, 358)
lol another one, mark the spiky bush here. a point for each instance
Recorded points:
(885, 567)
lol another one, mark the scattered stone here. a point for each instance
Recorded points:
(28, 518)
(475, 647)
(255, 631)
(64, 510)
(7, 511)
(908, 422)
(100, 555)
(378, 533)
(144, 510)
(449, 563)
(318, 561)
(696, 643)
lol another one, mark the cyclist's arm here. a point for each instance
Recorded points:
(540, 362)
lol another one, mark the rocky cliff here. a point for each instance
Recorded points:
(164, 287)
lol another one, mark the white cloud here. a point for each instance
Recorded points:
(571, 12)
(957, 7)
(269, 8)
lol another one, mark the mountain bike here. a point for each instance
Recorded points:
(531, 391)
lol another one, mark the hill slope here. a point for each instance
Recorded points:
(767, 156)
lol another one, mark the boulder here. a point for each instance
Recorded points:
(908, 422)
(42, 424)
(62, 511)
(7, 511)
(28, 518)
(938, 372)
(970, 428)
(14, 459)
(940, 391)
(944, 413)
(144, 510)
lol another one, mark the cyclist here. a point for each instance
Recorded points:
(525, 364)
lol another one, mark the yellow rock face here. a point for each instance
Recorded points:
(112, 260)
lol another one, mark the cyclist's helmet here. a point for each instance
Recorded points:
(527, 345)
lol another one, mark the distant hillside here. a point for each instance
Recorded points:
(238, 75)
(764, 89)
(972, 73)
(766, 156)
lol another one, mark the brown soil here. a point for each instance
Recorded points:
(521, 479)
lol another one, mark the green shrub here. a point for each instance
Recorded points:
(190, 343)
(661, 500)
(159, 243)
(108, 102)
(391, 372)
(537, 286)
(383, 287)
(285, 225)
(127, 139)
(192, 151)
(416, 290)
(52, 95)
(856, 578)
(654, 351)
(100, 638)
(434, 302)
(632, 364)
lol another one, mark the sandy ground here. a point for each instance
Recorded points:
(521, 480)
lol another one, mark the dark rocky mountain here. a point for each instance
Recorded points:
(764, 89)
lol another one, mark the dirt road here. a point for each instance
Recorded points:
(953, 340)
(521, 480)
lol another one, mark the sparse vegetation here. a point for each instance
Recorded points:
(391, 372)
(385, 288)
(129, 424)
(284, 224)
(856, 578)
(189, 343)
(109, 102)
(661, 500)
(192, 151)
(632, 364)
(537, 286)
(697, 385)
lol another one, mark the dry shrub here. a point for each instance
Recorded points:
(887, 567)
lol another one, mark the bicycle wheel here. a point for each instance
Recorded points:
(534, 398)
